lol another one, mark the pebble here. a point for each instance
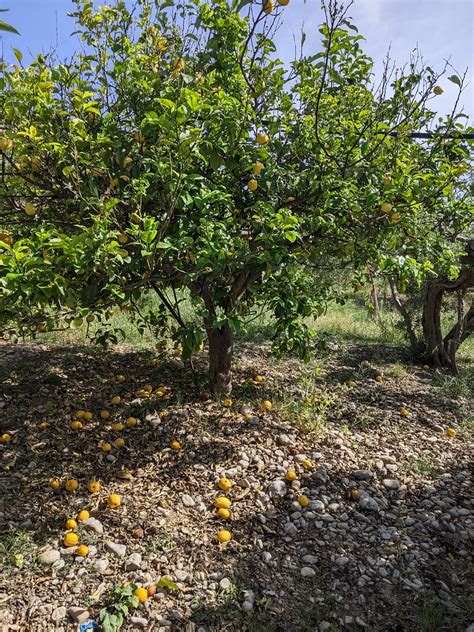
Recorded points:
(307, 571)
(79, 615)
(58, 614)
(368, 503)
(139, 622)
(118, 550)
(277, 488)
(391, 483)
(310, 559)
(362, 475)
(101, 565)
(50, 556)
(225, 583)
(133, 562)
(188, 501)
(92, 524)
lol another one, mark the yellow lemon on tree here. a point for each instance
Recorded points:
(252, 184)
(82, 550)
(116, 400)
(224, 484)
(5, 143)
(266, 404)
(268, 6)
(257, 168)
(71, 539)
(224, 536)
(83, 515)
(30, 209)
(93, 486)
(71, 524)
(138, 136)
(451, 432)
(395, 218)
(223, 513)
(122, 239)
(283, 3)
(386, 207)
(222, 503)
(71, 485)
(262, 138)
(303, 500)
(114, 500)
(290, 475)
(141, 594)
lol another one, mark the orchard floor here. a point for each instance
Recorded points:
(384, 545)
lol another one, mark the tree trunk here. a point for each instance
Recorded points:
(414, 345)
(220, 359)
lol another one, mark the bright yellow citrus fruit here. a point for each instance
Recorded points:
(303, 500)
(30, 209)
(71, 485)
(54, 483)
(141, 594)
(117, 426)
(227, 403)
(262, 138)
(71, 524)
(71, 539)
(268, 6)
(88, 416)
(5, 438)
(119, 443)
(80, 414)
(378, 378)
(175, 445)
(106, 447)
(114, 500)
(224, 536)
(403, 412)
(43, 425)
(266, 405)
(386, 207)
(451, 432)
(308, 464)
(252, 184)
(224, 484)
(76, 425)
(120, 378)
(131, 421)
(82, 550)
(83, 515)
(290, 475)
(259, 378)
(222, 503)
(93, 487)
(104, 414)
(257, 168)
(223, 513)
(116, 399)
(248, 416)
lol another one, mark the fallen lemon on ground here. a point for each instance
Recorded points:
(451, 432)
(71, 524)
(104, 414)
(116, 399)
(224, 536)
(120, 378)
(248, 416)
(259, 378)
(266, 404)
(403, 412)
(93, 487)
(5, 438)
(43, 425)
(76, 425)
(303, 500)
(131, 422)
(106, 447)
(88, 416)
(308, 463)
(141, 594)
(227, 403)
(82, 550)
(175, 445)
(83, 515)
(71, 485)
(80, 414)
(223, 513)
(119, 443)
(224, 484)
(290, 475)
(114, 500)
(378, 378)
(54, 484)
(222, 502)
(117, 426)
(71, 539)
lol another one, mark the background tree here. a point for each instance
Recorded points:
(177, 153)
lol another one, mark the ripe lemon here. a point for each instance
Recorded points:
(141, 594)
(378, 378)
(252, 184)
(248, 416)
(268, 6)
(223, 513)
(131, 422)
(80, 414)
(290, 475)
(43, 425)
(83, 515)
(54, 483)
(93, 486)
(283, 3)
(262, 138)
(257, 168)
(266, 404)
(259, 378)
(148, 388)
(5, 438)
(303, 500)
(386, 207)
(120, 378)
(127, 161)
(88, 416)
(403, 412)
(116, 400)
(395, 218)
(76, 425)
(224, 484)
(224, 536)
(114, 500)
(308, 464)
(30, 209)
(222, 503)
(175, 445)
(117, 426)
(71, 485)
(451, 432)
(104, 414)
(71, 524)
(119, 443)
(82, 550)
(106, 447)
(78, 321)
(71, 539)
(90, 318)
(227, 403)
(151, 590)
(6, 143)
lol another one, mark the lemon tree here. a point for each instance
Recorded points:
(176, 153)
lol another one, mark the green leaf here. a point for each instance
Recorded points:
(18, 55)
(8, 28)
(166, 583)
(455, 79)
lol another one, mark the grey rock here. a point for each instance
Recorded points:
(362, 475)
(266, 556)
(307, 571)
(79, 615)
(188, 501)
(58, 614)
(101, 565)
(225, 583)
(181, 575)
(92, 524)
(278, 487)
(290, 529)
(133, 562)
(118, 550)
(316, 505)
(310, 559)
(368, 503)
(139, 622)
(391, 483)
(50, 556)
(342, 560)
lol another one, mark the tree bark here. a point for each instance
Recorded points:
(406, 317)
(221, 344)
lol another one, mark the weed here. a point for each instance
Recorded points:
(454, 385)
(17, 550)
(420, 466)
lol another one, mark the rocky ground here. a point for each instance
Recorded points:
(385, 542)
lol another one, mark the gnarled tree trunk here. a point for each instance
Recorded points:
(220, 359)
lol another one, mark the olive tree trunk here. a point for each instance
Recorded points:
(221, 343)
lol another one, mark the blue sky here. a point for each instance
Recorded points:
(441, 28)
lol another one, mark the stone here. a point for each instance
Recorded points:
(59, 614)
(133, 562)
(50, 556)
(307, 572)
(79, 615)
(278, 487)
(188, 501)
(139, 622)
(92, 524)
(181, 575)
(225, 583)
(101, 565)
(368, 503)
(310, 559)
(362, 475)
(316, 505)
(391, 483)
(290, 529)
(118, 550)
(342, 560)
